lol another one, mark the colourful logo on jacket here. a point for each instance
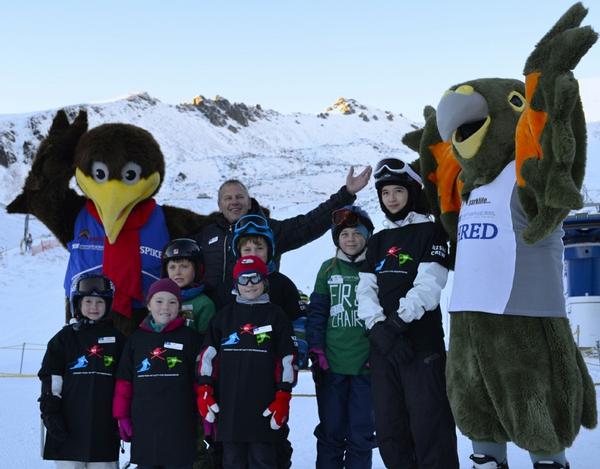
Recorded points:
(158, 352)
(396, 252)
(144, 366)
(81, 362)
(260, 333)
(94, 351)
(232, 339)
(247, 329)
(262, 337)
(172, 362)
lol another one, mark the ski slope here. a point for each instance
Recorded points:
(33, 305)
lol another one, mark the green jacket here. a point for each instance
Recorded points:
(332, 323)
(198, 311)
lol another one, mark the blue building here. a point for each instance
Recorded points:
(582, 276)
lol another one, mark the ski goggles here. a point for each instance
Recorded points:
(248, 221)
(100, 285)
(254, 278)
(346, 217)
(393, 166)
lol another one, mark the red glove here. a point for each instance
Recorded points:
(280, 408)
(207, 406)
(125, 429)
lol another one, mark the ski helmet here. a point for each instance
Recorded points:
(183, 248)
(392, 171)
(350, 216)
(253, 225)
(395, 171)
(89, 284)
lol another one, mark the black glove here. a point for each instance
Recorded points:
(389, 339)
(50, 406)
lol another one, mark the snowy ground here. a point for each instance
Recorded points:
(32, 311)
(20, 430)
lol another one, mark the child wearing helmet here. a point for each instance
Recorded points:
(154, 394)
(77, 376)
(399, 291)
(249, 341)
(181, 261)
(252, 236)
(339, 349)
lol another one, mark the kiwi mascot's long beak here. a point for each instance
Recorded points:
(115, 200)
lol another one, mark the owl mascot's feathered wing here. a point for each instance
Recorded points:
(503, 163)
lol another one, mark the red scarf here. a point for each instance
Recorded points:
(122, 261)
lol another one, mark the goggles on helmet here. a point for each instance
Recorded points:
(248, 221)
(254, 278)
(346, 217)
(253, 225)
(391, 166)
(99, 285)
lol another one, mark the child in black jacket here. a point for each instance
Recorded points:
(154, 393)
(77, 377)
(252, 344)
(398, 299)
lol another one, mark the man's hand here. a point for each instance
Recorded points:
(354, 183)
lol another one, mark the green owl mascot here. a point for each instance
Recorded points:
(503, 163)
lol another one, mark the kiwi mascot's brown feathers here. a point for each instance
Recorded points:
(116, 227)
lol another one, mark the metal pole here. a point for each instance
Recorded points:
(26, 229)
(22, 354)
(598, 349)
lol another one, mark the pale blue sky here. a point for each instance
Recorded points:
(288, 56)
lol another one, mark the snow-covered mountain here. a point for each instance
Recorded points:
(304, 157)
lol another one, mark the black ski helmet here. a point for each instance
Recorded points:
(347, 217)
(183, 248)
(89, 284)
(392, 171)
